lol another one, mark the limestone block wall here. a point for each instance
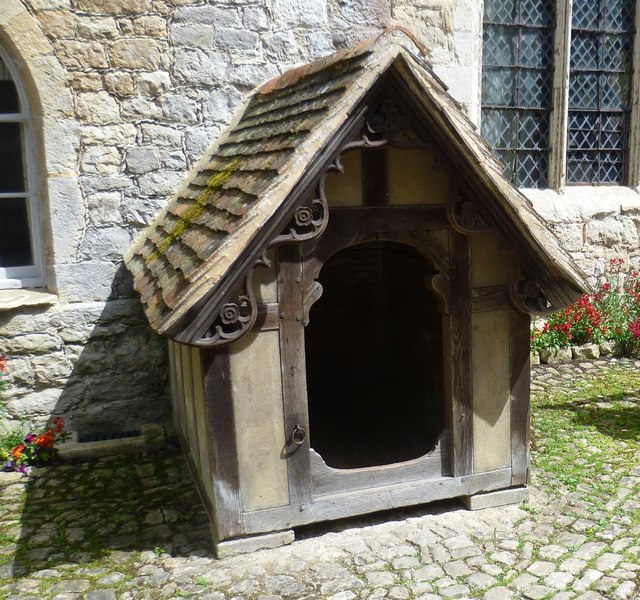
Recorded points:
(126, 96)
(596, 224)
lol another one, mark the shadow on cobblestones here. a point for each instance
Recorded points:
(81, 512)
(619, 422)
(132, 528)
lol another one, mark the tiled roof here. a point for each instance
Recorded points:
(197, 240)
(174, 251)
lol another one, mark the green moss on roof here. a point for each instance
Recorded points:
(184, 221)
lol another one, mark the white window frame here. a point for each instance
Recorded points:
(559, 114)
(28, 275)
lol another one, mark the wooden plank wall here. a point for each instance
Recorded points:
(254, 362)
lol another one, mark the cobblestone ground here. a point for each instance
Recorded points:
(133, 527)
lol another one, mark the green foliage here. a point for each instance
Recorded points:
(611, 314)
(10, 440)
(36, 449)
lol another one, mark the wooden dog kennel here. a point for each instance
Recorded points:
(346, 281)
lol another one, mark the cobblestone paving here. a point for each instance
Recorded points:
(133, 527)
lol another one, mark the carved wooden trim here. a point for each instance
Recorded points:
(389, 125)
(236, 315)
(309, 220)
(467, 216)
(528, 297)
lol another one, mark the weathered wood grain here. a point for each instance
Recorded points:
(385, 218)
(258, 409)
(294, 380)
(267, 318)
(189, 406)
(460, 355)
(490, 298)
(338, 506)
(491, 392)
(375, 184)
(327, 480)
(520, 396)
(222, 427)
(203, 438)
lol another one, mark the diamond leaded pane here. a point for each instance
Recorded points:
(500, 45)
(536, 47)
(615, 52)
(507, 158)
(618, 15)
(499, 11)
(535, 88)
(533, 130)
(596, 139)
(614, 92)
(611, 167)
(533, 169)
(583, 90)
(585, 14)
(584, 51)
(612, 130)
(582, 167)
(583, 130)
(516, 86)
(536, 12)
(498, 87)
(499, 128)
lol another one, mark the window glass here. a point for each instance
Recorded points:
(9, 102)
(11, 166)
(19, 242)
(516, 86)
(599, 90)
(15, 236)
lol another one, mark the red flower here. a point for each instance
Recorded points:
(18, 451)
(46, 440)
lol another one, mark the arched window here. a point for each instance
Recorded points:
(20, 254)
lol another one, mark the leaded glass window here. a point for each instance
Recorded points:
(516, 86)
(19, 255)
(599, 90)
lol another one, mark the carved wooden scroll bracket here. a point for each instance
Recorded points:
(389, 125)
(467, 216)
(528, 297)
(237, 314)
(309, 220)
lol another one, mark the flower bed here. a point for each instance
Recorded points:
(609, 320)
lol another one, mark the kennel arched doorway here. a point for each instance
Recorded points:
(374, 354)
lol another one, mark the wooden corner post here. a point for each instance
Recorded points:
(460, 354)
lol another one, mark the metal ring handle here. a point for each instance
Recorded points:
(298, 435)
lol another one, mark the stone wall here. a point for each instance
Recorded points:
(126, 96)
